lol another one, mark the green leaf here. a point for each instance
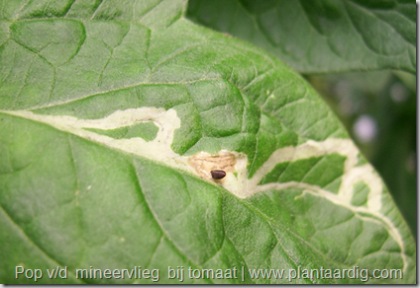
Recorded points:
(82, 186)
(320, 36)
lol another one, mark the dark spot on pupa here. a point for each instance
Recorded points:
(218, 174)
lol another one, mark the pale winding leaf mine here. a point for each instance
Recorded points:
(233, 163)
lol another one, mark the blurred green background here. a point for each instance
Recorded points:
(379, 111)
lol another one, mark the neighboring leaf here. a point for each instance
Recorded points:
(320, 36)
(81, 188)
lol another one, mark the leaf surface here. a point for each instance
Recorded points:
(320, 36)
(81, 186)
